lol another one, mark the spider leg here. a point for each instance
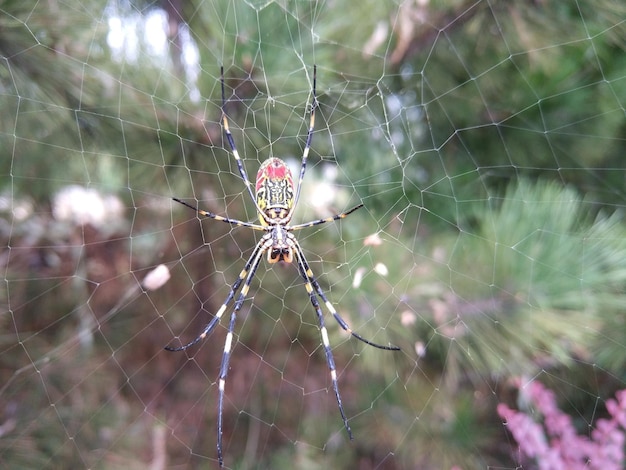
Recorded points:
(233, 147)
(249, 268)
(312, 284)
(256, 258)
(330, 360)
(327, 219)
(313, 289)
(309, 138)
(211, 215)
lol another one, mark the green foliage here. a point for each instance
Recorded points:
(535, 280)
(527, 91)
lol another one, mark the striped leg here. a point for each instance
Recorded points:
(211, 215)
(248, 269)
(263, 245)
(330, 360)
(343, 215)
(233, 147)
(312, 284)
(309, 138)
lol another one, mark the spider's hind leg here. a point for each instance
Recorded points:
(313, 289)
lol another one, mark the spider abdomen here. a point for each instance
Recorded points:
(274, 190)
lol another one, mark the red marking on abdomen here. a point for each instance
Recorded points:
(273, 169)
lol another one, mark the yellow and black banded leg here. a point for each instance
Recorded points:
(253, 265)
(309, 138)
(327, 219)
(330, 360)
(309, 277)
(213, 216)
(250, 266)
(233, 147)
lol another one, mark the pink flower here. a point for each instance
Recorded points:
(548, 437)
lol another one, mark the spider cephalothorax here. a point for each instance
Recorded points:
(276, 199)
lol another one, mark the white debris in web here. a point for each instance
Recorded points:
(81, 206)
(156, 278)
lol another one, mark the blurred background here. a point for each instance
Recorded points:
(486, 140)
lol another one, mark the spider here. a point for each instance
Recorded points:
(275, 201)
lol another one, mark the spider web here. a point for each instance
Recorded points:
(485, 140)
